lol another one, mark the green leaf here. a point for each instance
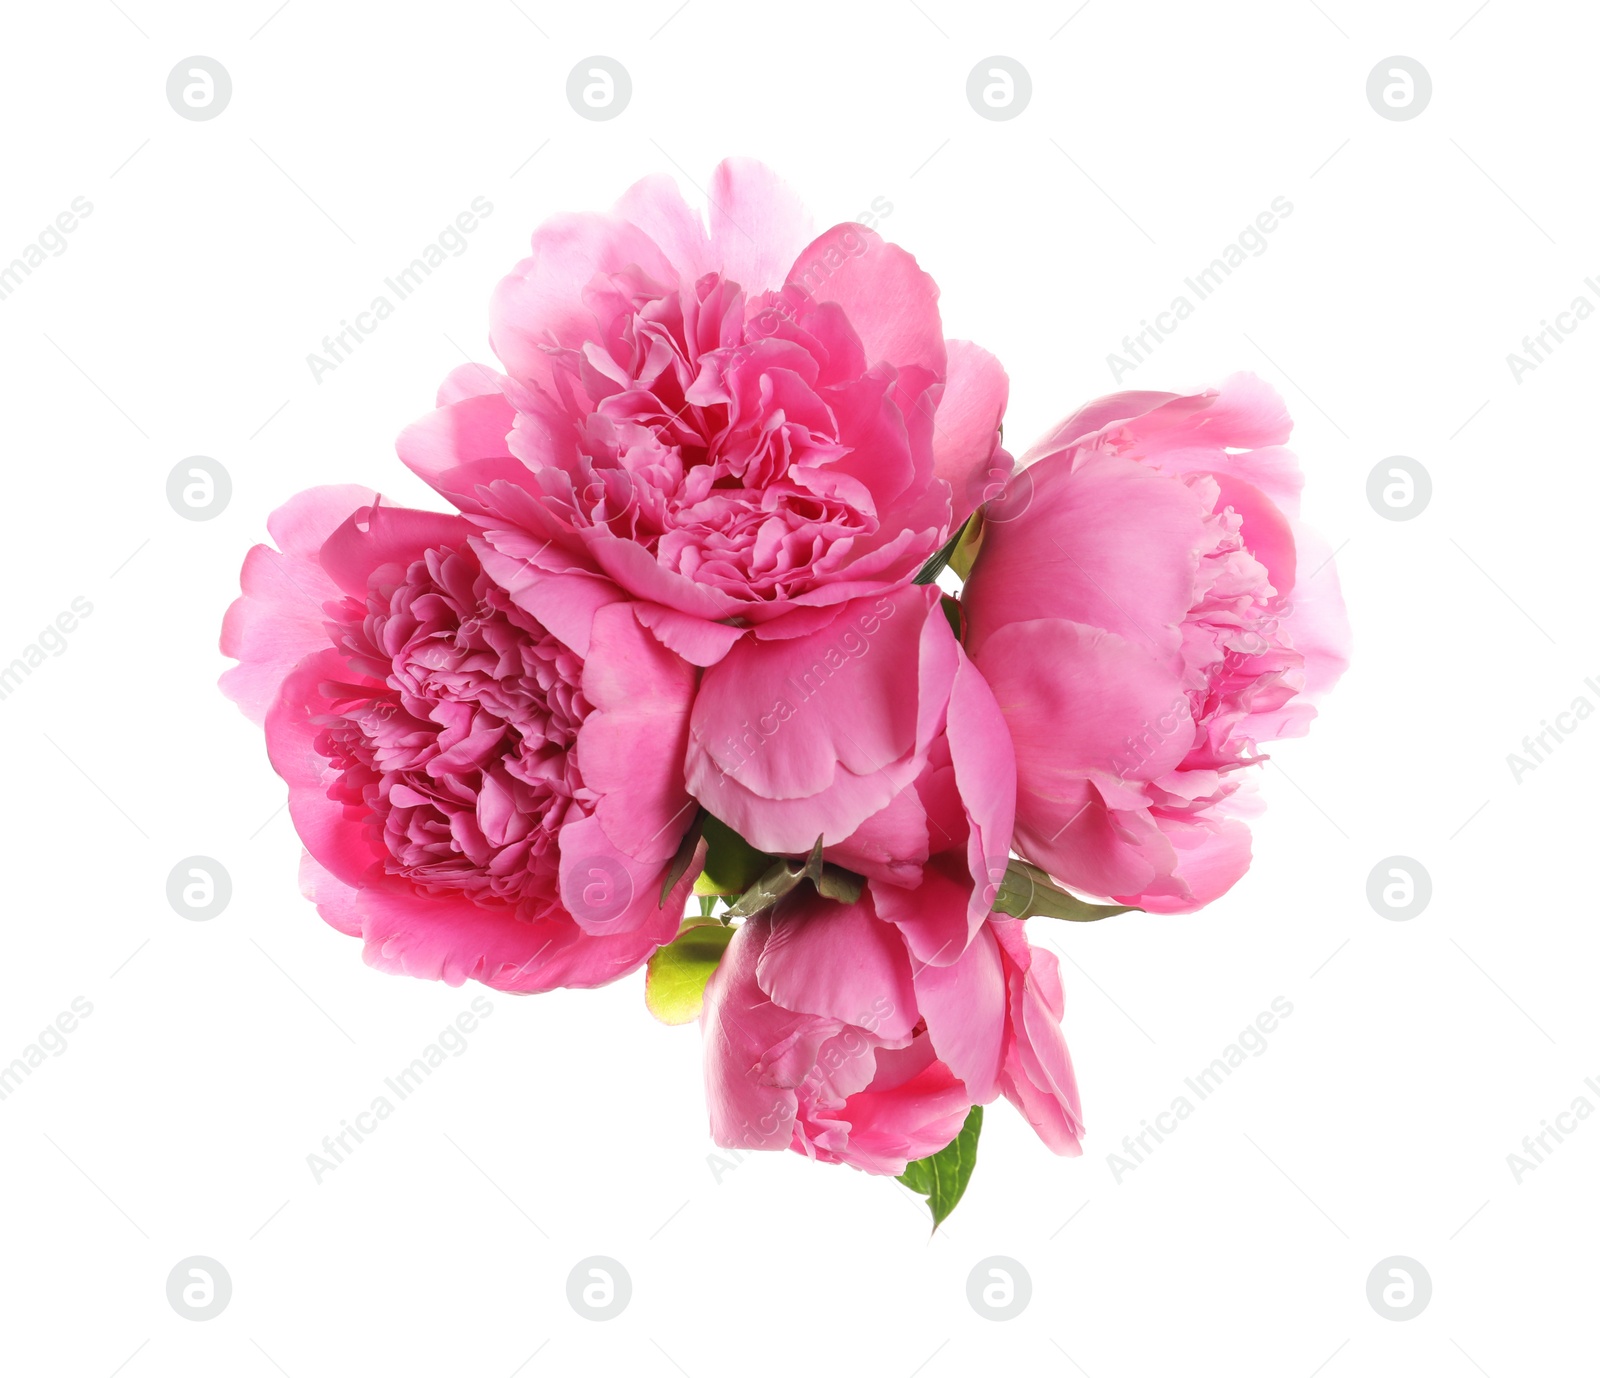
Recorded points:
(683, 856)
(732, 864)
(1027, 892)
(940, 558)
(943, 1177)
(675, 976)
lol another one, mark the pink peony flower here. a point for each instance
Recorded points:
(477, 797)
(1148, 610)
(739, 426)
(824, 1035)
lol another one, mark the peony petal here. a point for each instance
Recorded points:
(965, 1006)
(1038, 1077)
(985, 764)
(545, 581)
(337, 839)
(539, 306)
(966, 427)
(469, 380)
(1118, 551)
(794, 739)
(758, 224)
(911, 1119)
(607, 890)
(1211, 856)
(462, 446)
(934, 917)
(632, 743)
(452, 939)
(335, 900)
(657, 207)
(279, 618)
(696, 640)
(379, 535)
(892, 304)
(891, 845)
(1080, 701)
(1105, 413)
(750, 1106)
(1316, 623)
(839, 961)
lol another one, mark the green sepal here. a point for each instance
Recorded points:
(832, 882)
(1027, 892)
(968, 544)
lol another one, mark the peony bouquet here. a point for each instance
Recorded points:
(747, 655)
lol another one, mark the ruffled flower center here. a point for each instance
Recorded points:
(1237, 661)
(456, 746)
(707, 430)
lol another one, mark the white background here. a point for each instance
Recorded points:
(177, 322)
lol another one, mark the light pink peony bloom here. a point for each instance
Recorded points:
(739, 426)
(477, 798)
(1149, 610)
(824, 1035)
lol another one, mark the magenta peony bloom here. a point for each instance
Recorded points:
(740, 427)
(824, 1035)
(1149, 610)
(477, 797)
